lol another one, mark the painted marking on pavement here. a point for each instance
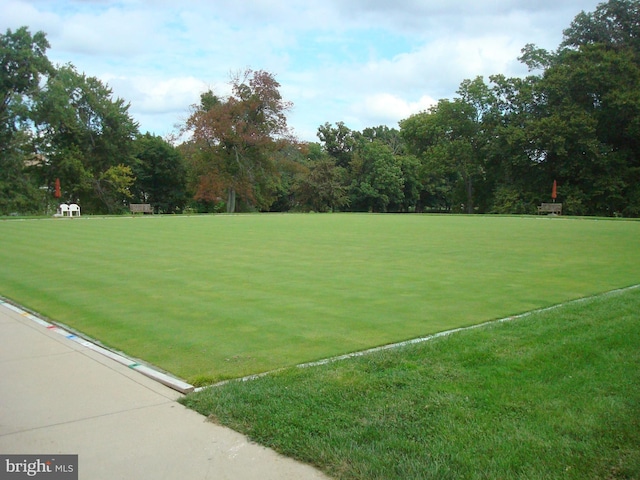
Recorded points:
(160, 377)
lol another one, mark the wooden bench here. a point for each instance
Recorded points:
(553, 208)
(140, 208)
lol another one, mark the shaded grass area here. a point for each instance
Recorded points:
(553, 395)
(215, 297)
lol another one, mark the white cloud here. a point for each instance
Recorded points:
(113, 32)
(388, 109)
(14, 14)
(365, 62)
(158, 95)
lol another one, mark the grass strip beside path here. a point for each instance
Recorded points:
(555, 394)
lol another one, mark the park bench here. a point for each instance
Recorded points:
(553, 208)
(140, 208)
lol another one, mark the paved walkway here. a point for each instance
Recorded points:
(60, 397)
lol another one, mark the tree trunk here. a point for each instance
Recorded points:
(469, 185)
(231, 200)
(231, 194)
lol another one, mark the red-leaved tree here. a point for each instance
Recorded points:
(235, 138)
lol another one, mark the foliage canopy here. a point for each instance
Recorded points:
(497, 147)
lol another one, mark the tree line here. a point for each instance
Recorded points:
(496, 147)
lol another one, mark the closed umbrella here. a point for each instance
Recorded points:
(554, 191)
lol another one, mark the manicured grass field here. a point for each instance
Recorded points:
(214, 297)
(553, 395)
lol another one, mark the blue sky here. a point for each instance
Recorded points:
(363, 62)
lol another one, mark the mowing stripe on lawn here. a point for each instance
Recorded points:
(419, 339)
(210, 298)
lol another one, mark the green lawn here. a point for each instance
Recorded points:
(214, 297)
(552, 395)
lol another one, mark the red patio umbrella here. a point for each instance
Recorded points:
(554, 191)
(57, 192)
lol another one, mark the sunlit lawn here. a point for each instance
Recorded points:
(213, 297)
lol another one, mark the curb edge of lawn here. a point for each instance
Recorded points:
(161, 377)
(426, 338)
(185, 388)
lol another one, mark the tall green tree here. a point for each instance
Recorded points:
(291, 162)
(23, 63)
(323, 188)
(614, 24)
(607, 43)
(160, 173)
(339, 142)
(82, 133)
(587, 127)
(377, 179)
(446, 138)
(409, 164)
(412, 186)
(591, 129)
(512, 159)
(385, 135)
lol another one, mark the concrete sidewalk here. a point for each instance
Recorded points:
(59, 397)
